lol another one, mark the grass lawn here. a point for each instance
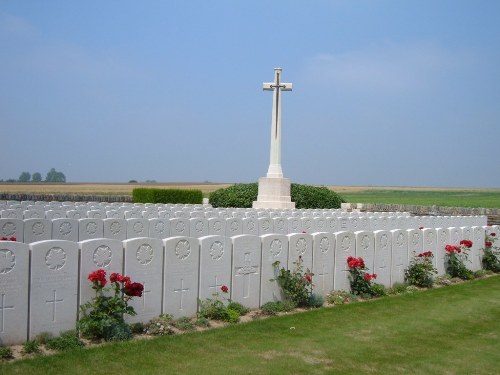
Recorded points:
(452, 330)
(449, 198)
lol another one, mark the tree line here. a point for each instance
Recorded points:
(52, 176)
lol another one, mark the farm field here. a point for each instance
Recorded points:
(450, 330)
(427, 196)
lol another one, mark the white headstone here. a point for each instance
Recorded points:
(415, 243)
(37, 230)
(399, 255)
(198, 227)
(54, 287)
(345, 245)
(323, 262)
(265, 225)
(250, 226)
(234, 226)
(300, 246)
(65, 229)
(100, 253)
(14, 272)
(246, 270)
(274, 249)
(137, 228)
(365, 248)
(144, 264)
(179, 227)
(181, 281)
(12, 228)
(295, 225)
(159, 228)
(382, 264)
(478, 239)
(216, 226)
(90, 228)
(115, 229)
(443, 239)
(215, 265)
(280, 225)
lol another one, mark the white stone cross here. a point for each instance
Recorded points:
(215, 287)
(54, 303)
(181, 291)
(144, 291)
(2, 312)
(245, 272)
(323, 274)
(277, 86)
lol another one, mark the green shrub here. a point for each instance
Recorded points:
(397, 288)
(186, 196)
(304, 196)
(161, 325)
(43, 337)
(137, 328)
(5, 353)
(31, 346)
(339, 297)
(421, 270)
(272, 308)
(67, 341)
(378, 290)
(184, 324)
(315, 300)
(236, 306)
(296, 284)
(202, 322)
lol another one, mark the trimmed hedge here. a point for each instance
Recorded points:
(304, 196)
(148, 195)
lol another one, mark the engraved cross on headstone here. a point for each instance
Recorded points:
(245, 272)
(277, 86)
(323, 274)
(181, 290)
(54, 302)
(215, 287)
(144, 291)
(3, 307)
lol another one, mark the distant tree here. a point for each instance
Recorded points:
(132, 182)
(36, 177)
(55, 176)
(25, 177)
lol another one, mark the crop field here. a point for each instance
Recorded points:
(426, 196)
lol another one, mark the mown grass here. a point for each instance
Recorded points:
(452, 330)
(449, 198)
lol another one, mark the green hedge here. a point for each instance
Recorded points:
(304, 196)
(146, 195)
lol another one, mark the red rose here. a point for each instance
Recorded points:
(492, 234)
(12, 238)
(374, 276)
(466, 243)
(98, 278)
(224, 289)
(309, 278)
(3, 239)
(488, 243)
(133, 289)
(115, 277)
(420, 227)
(450, 249)
(367, 276)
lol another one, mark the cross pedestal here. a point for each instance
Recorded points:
(274, 189)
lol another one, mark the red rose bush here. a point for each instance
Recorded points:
(420, 271)
(455, 257)
(491, 254)
(361, 281)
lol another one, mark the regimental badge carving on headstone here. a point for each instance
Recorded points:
(217, 226)
(115, 227)
(301, 246)
(365, 242)
(400, 240)
(429, 238)
(65, 228)
(324, 245)
(138, 227)
(91, 228)
(415, 238)
(346, 243)
(7, 261)
(234, 226)
(266, 224)
(217, 250)
(199, 226)
(102, 256)
(182, 249)
(276, 247)
(160, 227)
(383, 241)
(55, 259)
(180, 226)
(280, 224)
(251, 225)
(8, 229)
(38, 228)
(144, 254)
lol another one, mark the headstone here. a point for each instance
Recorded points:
(137, 228)
(181, 281)
(12, 213)
(65, 229)
(382, 263)
(280, 225)
(307, 224)
(415, 243)
(159, 228)
(33, 214)
(265, 226)
(14, 285)
(246, 270)
(478, 238)
(12, 228)
(37, 230)
(90, 228)
(101, 253)
(365, 248)
(179, 227)
(96, 214)
(323, 262)
(75, 214)
(295, 225)
(399, 255)
(55, 214)
(144, 264)
(198, 227)
(332, 224)
(345, 245)
(216, 226)
(54, 287)
(215, 265)
(234, 227)
(274, 249)
(443, 239)
(115, 229)
(455, 235)
(300, 246)
(250, 226)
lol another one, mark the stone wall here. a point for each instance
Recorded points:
(64, 197)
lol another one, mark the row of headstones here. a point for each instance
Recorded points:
(42, 284)
(33, 230)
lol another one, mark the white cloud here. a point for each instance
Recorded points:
(384, 68)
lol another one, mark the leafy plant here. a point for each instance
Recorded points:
(31, 346)
(304, 196)
(67, 341)
(421, 270)
(491, 254)
(362, 282)
(315, 300)
(137, 328)
(202, 322)
(296, 284)
(160, 326)
(5, 353)
(184, 324)
(102, 317)
(338, 297)
(397, 288)
(273, 308)
(456, 256)
(215, 308)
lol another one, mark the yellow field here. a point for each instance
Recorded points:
(126, 189)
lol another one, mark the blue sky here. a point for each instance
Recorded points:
(403, 93)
